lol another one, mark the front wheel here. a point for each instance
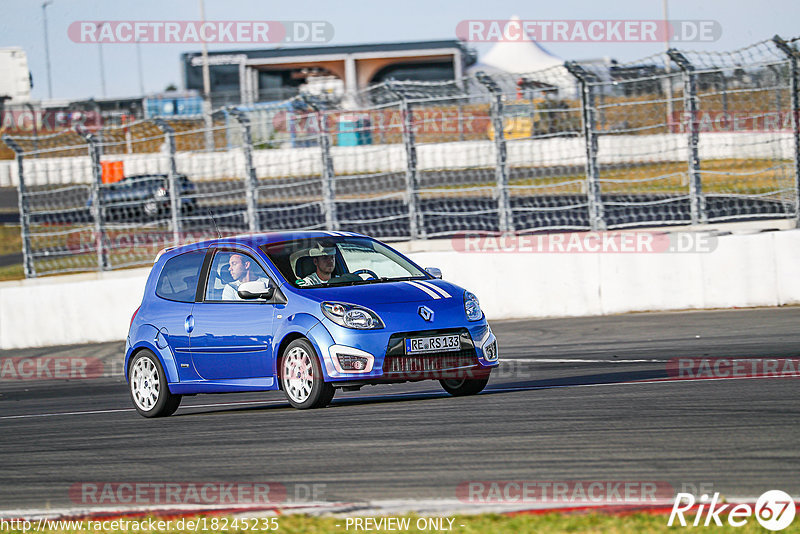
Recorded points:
(460, 387)
(148, 387)
(150, 209)
(301, 377)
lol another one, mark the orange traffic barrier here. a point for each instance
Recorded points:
(112, 171)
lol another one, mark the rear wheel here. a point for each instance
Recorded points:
(301, 377)
(188, 208)
(148, 387)
(460, 387)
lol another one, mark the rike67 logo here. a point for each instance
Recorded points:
(774, 510)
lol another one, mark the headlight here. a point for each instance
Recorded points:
(352, 316)
(472, 307)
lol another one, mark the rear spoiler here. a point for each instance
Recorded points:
(161, 253)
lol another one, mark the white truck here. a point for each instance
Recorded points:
(15, 78)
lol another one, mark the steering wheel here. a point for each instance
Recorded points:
(367, 271)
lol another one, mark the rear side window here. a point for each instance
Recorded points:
(178, 280)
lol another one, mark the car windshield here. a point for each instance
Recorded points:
(339, 261)
(137, 181)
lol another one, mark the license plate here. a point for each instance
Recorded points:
(419, 345)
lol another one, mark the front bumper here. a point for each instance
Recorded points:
(387, 361)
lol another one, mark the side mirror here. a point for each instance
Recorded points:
(256, 290)
(434, 272)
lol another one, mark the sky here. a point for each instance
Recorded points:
(75, 67)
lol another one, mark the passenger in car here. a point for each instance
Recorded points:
(241, 269)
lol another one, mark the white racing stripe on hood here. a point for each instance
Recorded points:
(436, 288)
(424, 288)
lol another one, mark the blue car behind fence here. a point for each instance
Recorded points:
(304, 312)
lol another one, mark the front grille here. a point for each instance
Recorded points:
(429, 362)
(397, 362)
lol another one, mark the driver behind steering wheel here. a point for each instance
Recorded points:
(324, 259)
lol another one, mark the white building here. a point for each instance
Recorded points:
(15, 78)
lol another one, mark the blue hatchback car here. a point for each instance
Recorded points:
(304, 312)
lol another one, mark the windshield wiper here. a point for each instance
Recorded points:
(380, 280)
(401, 278)
(345, 283)
(371, 281)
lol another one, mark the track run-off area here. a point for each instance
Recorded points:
(583, 399)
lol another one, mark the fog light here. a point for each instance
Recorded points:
(350, 359)
(490, 351)
(348, 362)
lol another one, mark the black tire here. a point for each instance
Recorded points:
(147, 385)
(189, 208)
(461, 387)
(301, 377)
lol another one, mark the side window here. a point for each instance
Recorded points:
(178, 279)
(228, 270)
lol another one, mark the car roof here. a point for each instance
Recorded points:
(255, 240)
(137, 176)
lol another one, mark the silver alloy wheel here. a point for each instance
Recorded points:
(150, 208)
(145, 384)
(298, 372)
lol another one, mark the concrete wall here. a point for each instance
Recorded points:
(58, 310)
(745, 270)
(759, 269)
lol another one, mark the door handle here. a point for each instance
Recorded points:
(189, 324)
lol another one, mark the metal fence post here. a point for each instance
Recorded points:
(416, 223)
(460, 121)
(593, 194)
(208, 120)
(794, 87)
(24, 214)
(172, 180)
(328, 176)
(253, 222)
(228, 141)
(504, 215)
(690, 108)
(724, 84)
(98, 211)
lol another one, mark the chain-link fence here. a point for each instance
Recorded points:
(750, 89)
(55, 203)
(676, 138)
(371, 169)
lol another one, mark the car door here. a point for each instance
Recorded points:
(176, 290)
(231, 339)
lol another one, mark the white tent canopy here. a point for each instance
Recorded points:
(525, 56)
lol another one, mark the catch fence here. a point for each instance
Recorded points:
(677, 138)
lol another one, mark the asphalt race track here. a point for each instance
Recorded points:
(564, 406)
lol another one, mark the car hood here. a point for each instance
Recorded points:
(382, 293)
